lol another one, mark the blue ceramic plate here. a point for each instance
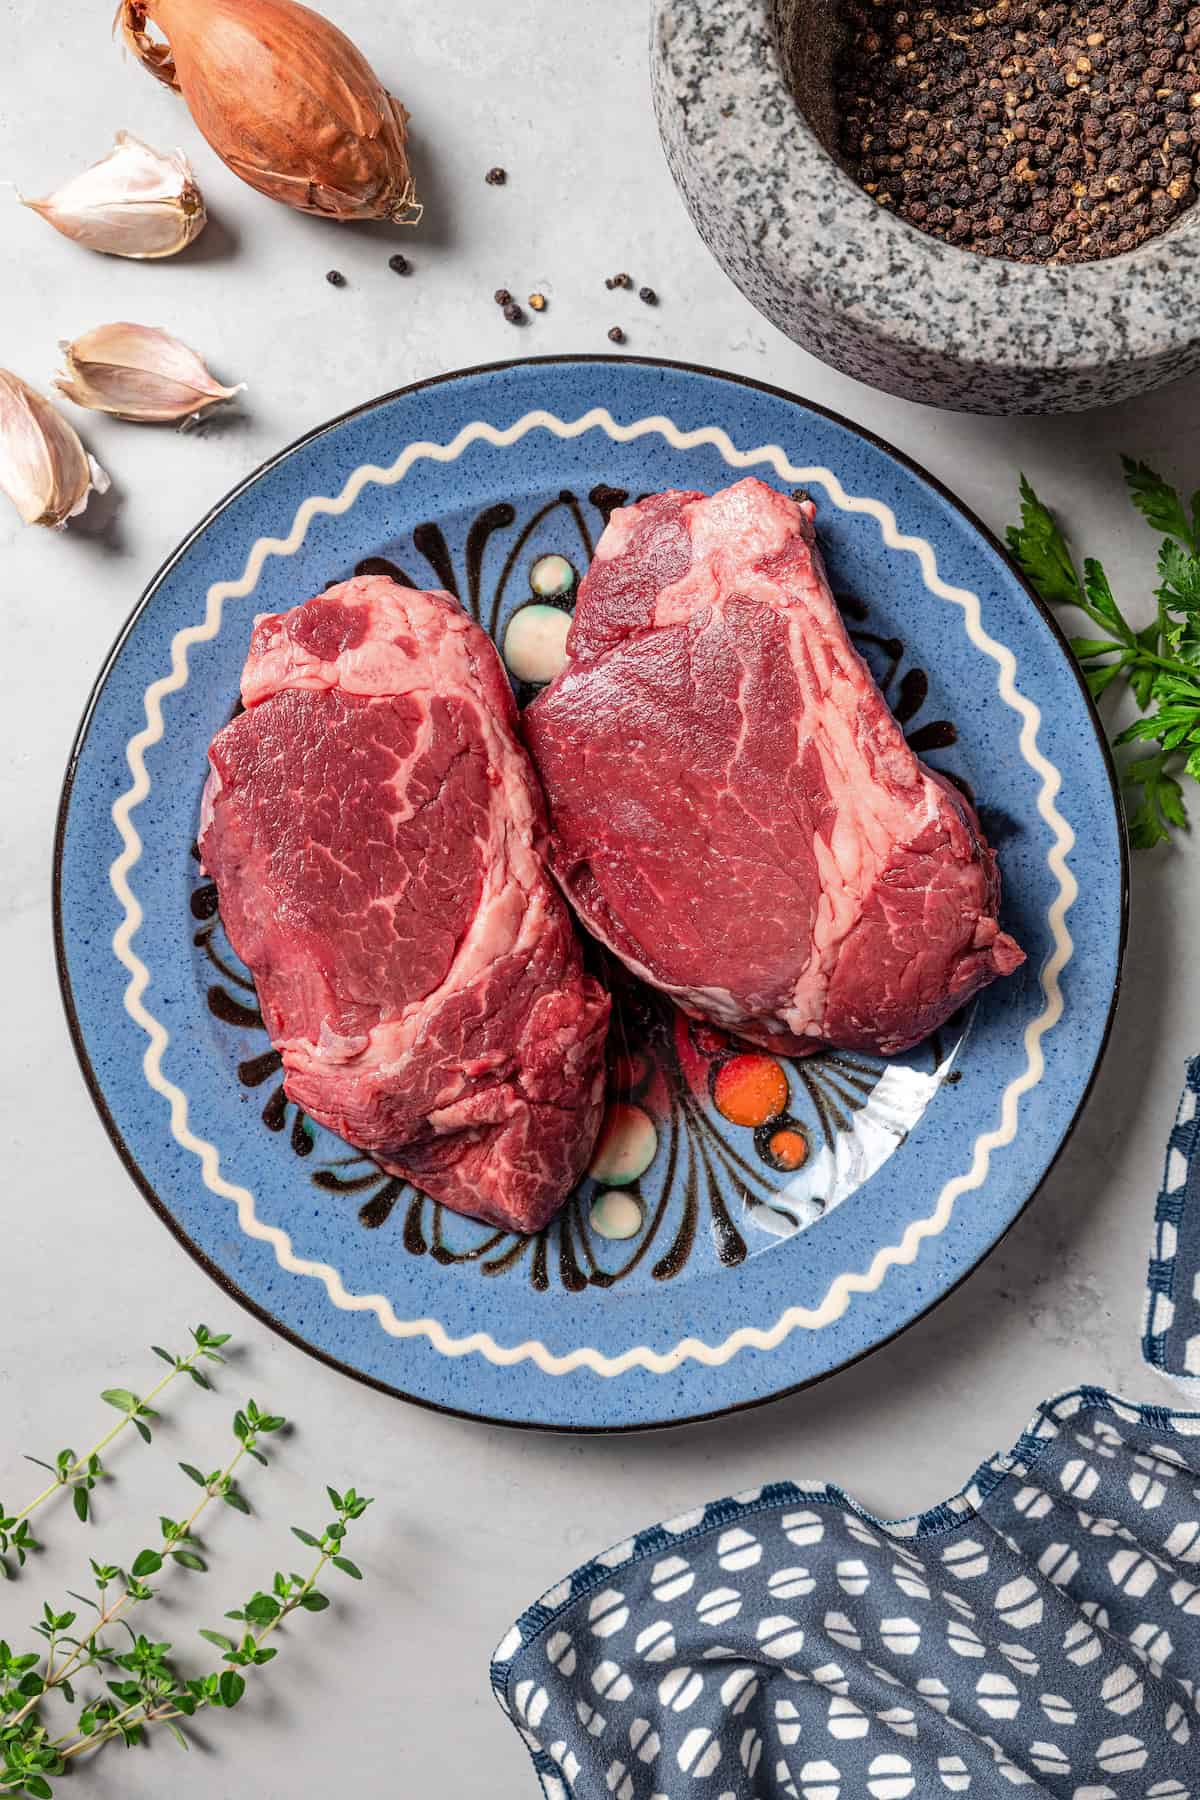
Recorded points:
(744, 1257)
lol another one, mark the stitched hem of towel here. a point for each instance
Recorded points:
(1163, 1321)
(1019, 1462)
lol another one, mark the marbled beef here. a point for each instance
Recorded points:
(734, 810)
(376, 836)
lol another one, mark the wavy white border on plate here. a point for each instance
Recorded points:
(841, 1290)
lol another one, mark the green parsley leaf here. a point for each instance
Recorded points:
(1040, 548)
(1179, 579)
(1158, 503)
(1157, 665)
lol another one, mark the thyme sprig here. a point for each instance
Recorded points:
(144, 1690)
(177, 1544)
(79, 1474)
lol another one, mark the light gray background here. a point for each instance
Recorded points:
(389, 1693)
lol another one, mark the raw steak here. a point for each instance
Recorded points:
(734, 810)
(376, 836)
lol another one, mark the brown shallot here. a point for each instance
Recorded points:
(285, 99)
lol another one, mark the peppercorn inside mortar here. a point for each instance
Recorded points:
(1043, 133)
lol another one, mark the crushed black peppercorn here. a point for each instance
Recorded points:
(616, 335)
(514, 313)
(502, 297)
(618, 281)
(1038, 130)
(496, 177)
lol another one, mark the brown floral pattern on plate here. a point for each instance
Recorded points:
(706, 1141)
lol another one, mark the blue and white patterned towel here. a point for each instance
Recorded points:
(1040, 1630)
(1171, 1341)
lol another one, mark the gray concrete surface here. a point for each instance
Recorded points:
(388, 1694)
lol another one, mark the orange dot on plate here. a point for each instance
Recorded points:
(749, 1090)
(788, 1148)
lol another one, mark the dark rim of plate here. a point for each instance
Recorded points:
(60, 952)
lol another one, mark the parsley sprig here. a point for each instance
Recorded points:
(1158, 665)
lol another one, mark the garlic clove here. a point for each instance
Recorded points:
(44, 469)
(137, 201)
(138, 372)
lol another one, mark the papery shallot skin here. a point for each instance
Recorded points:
(376, 835)
(285, 99)
(734, 810)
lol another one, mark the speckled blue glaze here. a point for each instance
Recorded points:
(704, 1300)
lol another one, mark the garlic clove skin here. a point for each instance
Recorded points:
(138, 372)
(136, 201)
(44, 469)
